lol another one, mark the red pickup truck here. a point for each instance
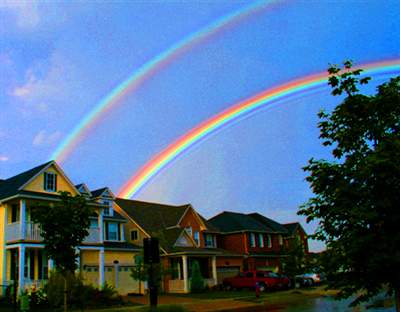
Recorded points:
(265, 279)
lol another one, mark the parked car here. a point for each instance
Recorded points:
(309, 279)
(284, 281)
(249, 279)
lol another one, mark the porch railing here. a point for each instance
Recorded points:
(176, 286)
(94, 236)
(32, 233)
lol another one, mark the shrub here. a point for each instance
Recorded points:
(196, 280)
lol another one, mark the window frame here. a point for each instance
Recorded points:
(50, 181)
(136, 234)
(252, 240)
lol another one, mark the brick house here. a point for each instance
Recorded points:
(259, 239)
(296, 233)
(184, 237)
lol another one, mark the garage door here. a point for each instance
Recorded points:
(223, 272)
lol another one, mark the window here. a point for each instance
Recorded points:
(210, 240)
(188, 229)
(134, 235)
(108, 211)
(252, 240)
(50, 182)
(112, 231)
(269, 241)
(249, 274)
(196, 238)
(280, 240)
(260, 240)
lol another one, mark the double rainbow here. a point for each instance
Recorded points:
(232, 114)
(69, 144)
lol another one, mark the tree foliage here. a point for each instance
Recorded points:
(63, 225)
(196, 279)
(295, 262)
(357, 194)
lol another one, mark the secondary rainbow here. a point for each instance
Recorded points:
(68, 145)
(232, 114)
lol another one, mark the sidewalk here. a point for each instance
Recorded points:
(220, 305)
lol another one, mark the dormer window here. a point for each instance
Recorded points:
(108, 211)
(50, 182)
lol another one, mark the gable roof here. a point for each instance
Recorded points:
(273, 225)
(292, 228)
(229, 221)
(152, 216)
(11, 186)
(85, 190)
(100, 191)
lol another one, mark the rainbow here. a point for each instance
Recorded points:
(226, 117)
(68, 145)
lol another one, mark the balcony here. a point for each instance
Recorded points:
(32, 233)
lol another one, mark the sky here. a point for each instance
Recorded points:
(59, 60)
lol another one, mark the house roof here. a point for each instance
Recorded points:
(273, 225)
(11, 186)
(98, 192)
(228, 221)
(292, 228)
(152, 216)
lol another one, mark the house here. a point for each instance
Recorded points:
(259, 239)
(184, 237)
(296, 233)
(104, 256)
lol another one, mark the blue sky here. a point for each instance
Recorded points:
(58, 59)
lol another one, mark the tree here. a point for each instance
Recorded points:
(294, 263)
(64, 225)
(196, 279)
(140, 271)
(357, 193)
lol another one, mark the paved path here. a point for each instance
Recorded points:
(220, 305)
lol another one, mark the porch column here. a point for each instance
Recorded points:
(21, 268)
(185, 274)
(214, 269)
(22, 218)
(101, 267)
(5, 251)
(101, 226)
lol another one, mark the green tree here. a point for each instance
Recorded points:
(357, 193)
(196, 279)
(64, 225)
(140, 271)
(294, 262)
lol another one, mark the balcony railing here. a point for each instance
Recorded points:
(93, 237)
(32, 233)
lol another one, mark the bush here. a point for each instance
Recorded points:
(79, 294)
(196, 281)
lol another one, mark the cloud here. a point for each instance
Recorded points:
(26, 13)
(45, 83)
(3, 158)
(43, 138)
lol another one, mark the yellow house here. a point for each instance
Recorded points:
(105, 256)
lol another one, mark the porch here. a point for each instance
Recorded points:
(19, 225)
(181, 268)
